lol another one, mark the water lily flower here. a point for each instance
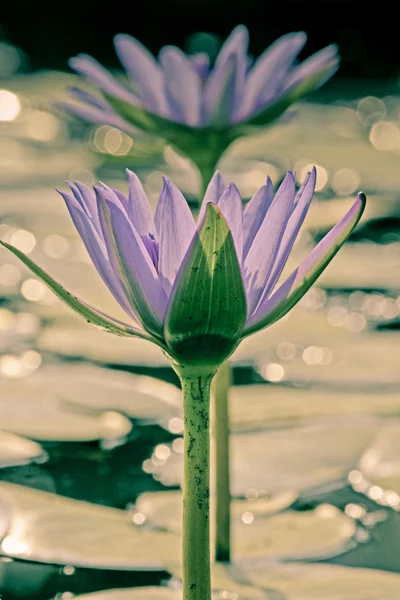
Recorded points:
(198, 107)
(196, 290)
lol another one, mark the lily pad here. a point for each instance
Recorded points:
(16, 329)
(299, 326)
(16, 450)
(254, 407)
(270, 462)
(31, 412)
(86, 341)
(367, 361)
(47, 528)
(257, 529)
(274, 581)
(366, 266)
(99, 389)
(142, 593)
(380, 463)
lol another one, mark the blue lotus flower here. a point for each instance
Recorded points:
(176, 91)
(197, 289)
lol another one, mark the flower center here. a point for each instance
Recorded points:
(152, 248)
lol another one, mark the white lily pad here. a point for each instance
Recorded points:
(16, 450)
(47, 528)
(254, 407)
(16, 329)
(359, 265)
(43, 415)
(330, 136)
(257, 531)
(274, 581)
(270, 462)
(300, 326)
(100, 389)
(369, 361)
(140, 593)
(279, 582)
(86, 341)
(380, 464)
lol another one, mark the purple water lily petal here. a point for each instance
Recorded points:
(116, 196)
(269, 71)
(236, 43)
(144, 71)
(214, 191)
(265, 247)
(88, 198)
(139, 210)
(254, 213)
(230, 205)
(219, 93)
(88, 66)
(225, 82)
(97, 251)
(175, 229)
(292, 229)
(92, 114)
(88, 98)
(131, 263)
(201, 62)
(325, 59)
(182, 85)
(302, 278)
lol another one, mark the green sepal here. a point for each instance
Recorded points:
(207, 307)
(91, 315)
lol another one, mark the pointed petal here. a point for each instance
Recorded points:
(89, 199)
(131, 263)
(182, 85)
(144, 71)
(207, 306)
(273, 110)
(92, 114)
(139, 210)
(95, 246)
(175, 230)
(325, 60)
(88, 98)
(117, 197)
(90, 314)
(230, 204)
(254, 213)
(236, 43)
(214, 191)
(265, 247)
(219, 93)
(93, 70)
(292, 229)
(269, 71)
(297, 284)
(224, 87)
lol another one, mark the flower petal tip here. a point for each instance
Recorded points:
(362, 198)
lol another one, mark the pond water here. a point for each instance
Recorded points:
(91, 424)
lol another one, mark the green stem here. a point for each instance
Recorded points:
(220, 399)
(206, 172)
(196, 488)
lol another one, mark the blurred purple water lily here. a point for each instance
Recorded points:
(194, 289)
(187, 91)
